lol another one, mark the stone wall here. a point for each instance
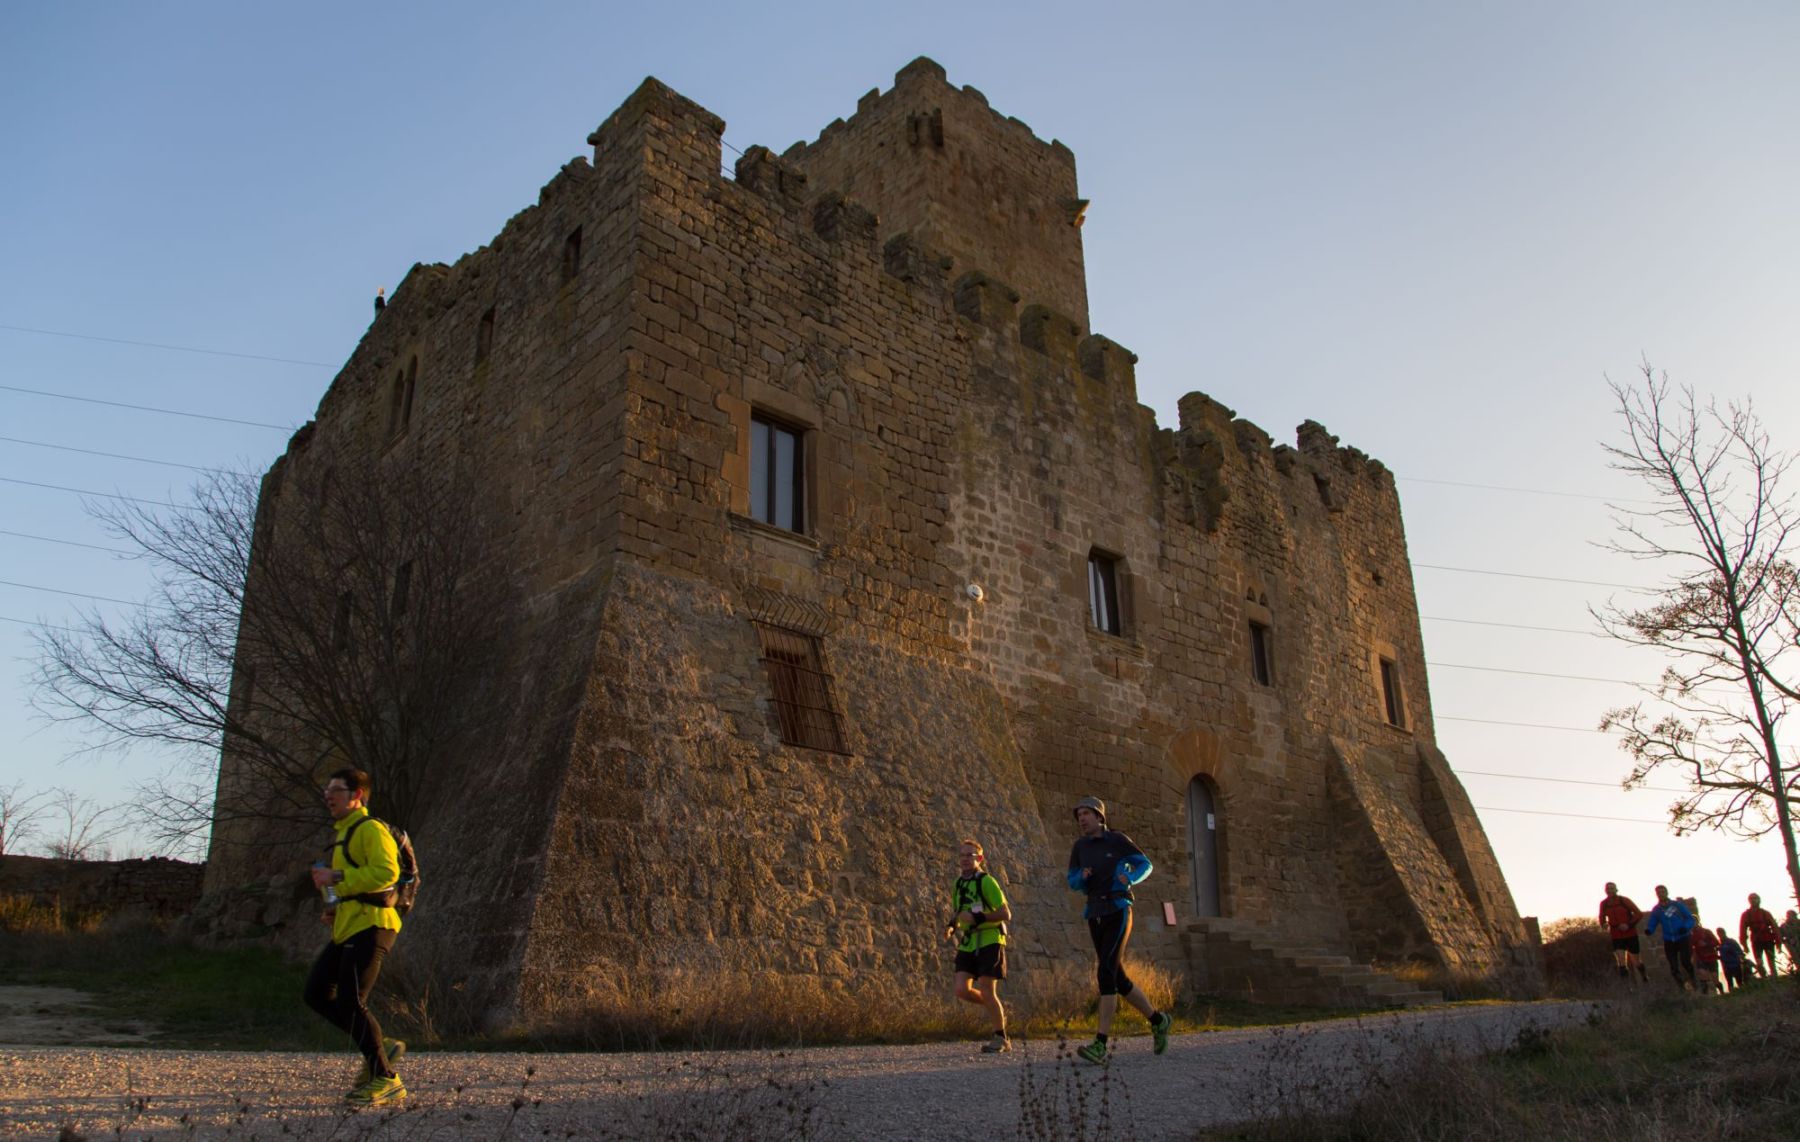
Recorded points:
(154, 887)
(962, 429)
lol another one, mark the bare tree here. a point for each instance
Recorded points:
(307, 621)
(1720, 522)
(21, 814)
(81, 827)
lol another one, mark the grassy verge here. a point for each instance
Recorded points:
(235, 1000)
(249, 999)
(1657, 1064)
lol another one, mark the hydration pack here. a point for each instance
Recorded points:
(405, 891)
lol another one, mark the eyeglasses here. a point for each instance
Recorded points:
(330, 789)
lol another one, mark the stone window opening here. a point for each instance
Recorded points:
(400, 400)
(1393, 701)
(571, 256)
(1103, 592)
(340, 624)
(402, 594)
(1262, 653)
(777, 473)
(805, 712)
(484, 336)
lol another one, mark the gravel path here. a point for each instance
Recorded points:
(926, 1091)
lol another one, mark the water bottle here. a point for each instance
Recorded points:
(328, 891)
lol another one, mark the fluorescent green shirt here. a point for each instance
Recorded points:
(377, 866)
(987, 890)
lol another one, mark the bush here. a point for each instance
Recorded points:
(1578, 959)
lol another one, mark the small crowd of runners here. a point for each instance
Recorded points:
(359, 885)
(1700, 959)
(1104, 864)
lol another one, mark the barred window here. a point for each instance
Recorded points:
(801, 688)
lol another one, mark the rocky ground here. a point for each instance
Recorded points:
(906, 1092)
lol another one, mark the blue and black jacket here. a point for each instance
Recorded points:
(1114, 864)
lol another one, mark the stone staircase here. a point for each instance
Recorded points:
(1235, 960)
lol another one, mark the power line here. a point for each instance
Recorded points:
(1577, 816)
(1532, 673)
(1527, 725)
(1488, 623)
(67, 542)
(85, 492)
(160, 345)
(147, 408)
(1571, 781)
(108, 455)
(31, 623)
(1540, 578)
(1524, 491)
(76, 594)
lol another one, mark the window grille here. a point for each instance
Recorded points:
(801, 689)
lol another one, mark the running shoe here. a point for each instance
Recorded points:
(1094, 1052)
(1159, 1032)
(378, 1092)
(394, 1049)
(996, 1045)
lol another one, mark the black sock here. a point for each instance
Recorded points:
(1099, 1038)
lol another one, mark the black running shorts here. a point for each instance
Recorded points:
(988, 962)
(1628, 944)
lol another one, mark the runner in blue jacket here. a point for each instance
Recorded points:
(1676, 923)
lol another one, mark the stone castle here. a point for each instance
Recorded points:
(835, 535)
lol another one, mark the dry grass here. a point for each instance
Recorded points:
(26, 915)
(1658, 1065)
(723, 1012)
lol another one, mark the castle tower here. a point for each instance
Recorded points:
(935, 161)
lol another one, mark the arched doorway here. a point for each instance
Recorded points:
(1203, 845)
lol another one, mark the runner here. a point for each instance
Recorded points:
(1758, 932)
(1104, 863)
(979, 929)
(1731, 960)
(1675, 922)
(1620, 917)
(357, 884)
(1790, 935)
(1706, 959)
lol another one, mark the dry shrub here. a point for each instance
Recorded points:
(26, 915)
(1578, 958)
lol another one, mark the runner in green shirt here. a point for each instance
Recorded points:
(979, 929)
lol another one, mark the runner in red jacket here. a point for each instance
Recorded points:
(1620, 917)
(1706, 959)
(1758, 932)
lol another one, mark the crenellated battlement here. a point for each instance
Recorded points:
(938, 162)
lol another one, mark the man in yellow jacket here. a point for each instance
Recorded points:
(358, 888)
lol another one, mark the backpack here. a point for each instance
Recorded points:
(405, 892)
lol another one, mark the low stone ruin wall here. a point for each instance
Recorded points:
(156, 886)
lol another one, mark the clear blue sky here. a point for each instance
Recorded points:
(1435, 228)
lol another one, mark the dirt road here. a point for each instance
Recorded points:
(931, 1091)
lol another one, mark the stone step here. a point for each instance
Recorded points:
(1274, 968)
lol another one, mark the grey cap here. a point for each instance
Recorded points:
(1094, 803)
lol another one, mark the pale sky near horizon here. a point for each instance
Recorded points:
(1437, 229)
